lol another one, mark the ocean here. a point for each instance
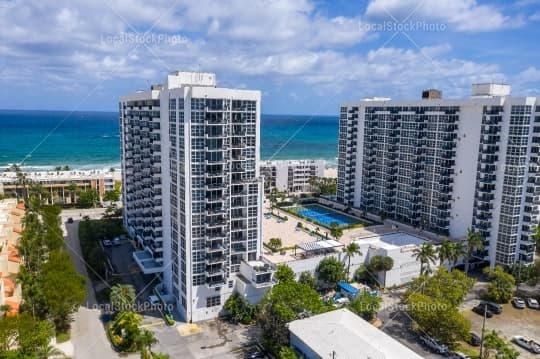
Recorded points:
(90, 140)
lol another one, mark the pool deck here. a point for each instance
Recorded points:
(290, 236)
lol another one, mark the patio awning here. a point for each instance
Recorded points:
(320, 245)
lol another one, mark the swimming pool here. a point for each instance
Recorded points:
(325, 216)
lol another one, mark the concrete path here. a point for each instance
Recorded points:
(87, 332)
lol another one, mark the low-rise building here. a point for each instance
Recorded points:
(11, 215)
(343, 334)
(398, 245)
(290, 175)
(62, 186)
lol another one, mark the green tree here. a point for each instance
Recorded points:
(285, 302)
(144, 341)
(501, 285)
(239, 309)
(307, 279)
(425, 254)
(24, 336)
(451, 287)
(122, 297)
(124, 330)
(330, 272)
(351, 250)
(287, 353)
(459, 251)
(366, 305)
(323, 185)
(284, 273)
(335, 230)
(473, 241)
(493, 343)
(381, 264)
(536, 238)
(446, 252)
(438, 318)
(88, 198)
(274, 244)
(363, 274)
(111, 196)
(63, 289)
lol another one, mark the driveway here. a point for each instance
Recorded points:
(87, 332)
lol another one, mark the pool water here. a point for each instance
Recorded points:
(325, 216)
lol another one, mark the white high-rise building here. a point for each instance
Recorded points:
(291, 175)
(192, 190)
(448, 165)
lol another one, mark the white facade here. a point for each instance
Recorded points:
(291, 175)
(398, 245)
(342, 334)
(192, 186)
(448, 165)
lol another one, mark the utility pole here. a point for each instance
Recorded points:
(483, 329)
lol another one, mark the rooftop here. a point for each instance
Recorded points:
(62, 175)
(346, 335)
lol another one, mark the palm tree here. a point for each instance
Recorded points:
(473, 240)
(335, 231)
(51, 352)
(458, 252)
(350, 251)
(145, 340)
(381, 264)
(426, 253)
(445, 251)
(122, 297)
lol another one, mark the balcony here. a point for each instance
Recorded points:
(147, 263)
(214, 259)
(215, 282)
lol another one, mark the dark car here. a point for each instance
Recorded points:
(474, 339)
(70, 220)
(494, 307)
(254, 354)
(479, 309)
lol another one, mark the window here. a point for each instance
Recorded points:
(213, 301)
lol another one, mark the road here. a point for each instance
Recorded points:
(87, 333)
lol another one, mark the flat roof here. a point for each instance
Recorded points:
(391, 240)
(320, 245)
(347, 336)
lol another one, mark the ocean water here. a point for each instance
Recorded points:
(90, 140)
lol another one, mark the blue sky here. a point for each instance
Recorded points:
(305, 56)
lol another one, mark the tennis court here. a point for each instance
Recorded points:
(325, 216)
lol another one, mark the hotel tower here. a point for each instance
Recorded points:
(192, 191)
(447, 165)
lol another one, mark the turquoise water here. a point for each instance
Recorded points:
(41, 139)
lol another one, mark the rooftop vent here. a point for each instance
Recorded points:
(431, 94)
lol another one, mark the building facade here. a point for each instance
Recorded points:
(448, 165)
(193, 193)
(62, 186)
(290, 175)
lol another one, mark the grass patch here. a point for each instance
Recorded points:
(63, 337)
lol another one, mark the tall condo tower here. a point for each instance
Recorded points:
(192, 191)
(448, 165)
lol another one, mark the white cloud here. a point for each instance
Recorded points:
(462, 15)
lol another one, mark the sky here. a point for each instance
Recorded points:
(305, 56)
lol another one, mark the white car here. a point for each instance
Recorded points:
(527, 343)
(518, 302)
(532, 303)
(107, 243)
(459, 355)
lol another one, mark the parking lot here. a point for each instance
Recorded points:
(510, 322)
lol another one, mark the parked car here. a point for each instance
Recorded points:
(518, 302)
(116, 241)
(254, 354)
(474, 339)
(459, 355)
(532, 303)
(527, 343)
(70, 220)
(494, 307)
(107, 243)
(434, 345)
(479, 309)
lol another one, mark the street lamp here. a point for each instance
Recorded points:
(483, 329)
